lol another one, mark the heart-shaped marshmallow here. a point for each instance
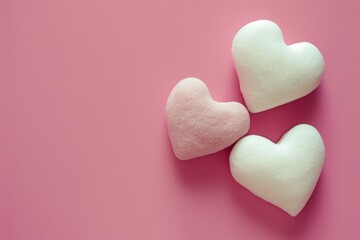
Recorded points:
(272, 73)
(198, 125)
(284, 174)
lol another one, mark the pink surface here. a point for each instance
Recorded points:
(198, 125)
(84, 151)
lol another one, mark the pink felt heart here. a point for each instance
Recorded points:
(198, 125)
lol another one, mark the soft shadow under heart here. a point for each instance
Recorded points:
(201, 172)
(276, 220)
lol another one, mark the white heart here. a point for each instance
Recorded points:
(285, 173)
(272, 73)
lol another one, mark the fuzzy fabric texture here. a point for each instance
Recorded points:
(198, 125)
(284, 174)
(270, 72)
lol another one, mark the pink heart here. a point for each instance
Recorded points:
(198, 125)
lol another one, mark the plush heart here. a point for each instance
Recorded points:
(270, 72)
(284, 174)
(198, 125)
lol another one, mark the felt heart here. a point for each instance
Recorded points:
(270, 72)
(284, 174)
(198, 125)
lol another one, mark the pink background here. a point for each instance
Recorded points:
(84, 152)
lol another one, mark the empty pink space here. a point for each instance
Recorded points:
(84, 149)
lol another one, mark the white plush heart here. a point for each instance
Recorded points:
(270, 72)
(284, 174)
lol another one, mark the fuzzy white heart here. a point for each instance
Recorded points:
(284, 173)
(270, 72)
